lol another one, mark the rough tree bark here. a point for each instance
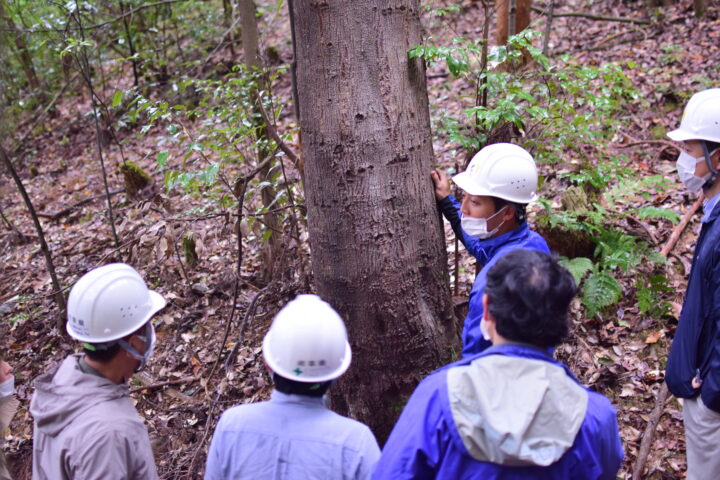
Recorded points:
(378, 250)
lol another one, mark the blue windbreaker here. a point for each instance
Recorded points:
(487, 252)
(695, 349)
(511, 412)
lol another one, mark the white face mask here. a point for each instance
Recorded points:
(149, 339)
(477, 227)
(7, 387)
(686, 171)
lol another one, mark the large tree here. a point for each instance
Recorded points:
(378, 250)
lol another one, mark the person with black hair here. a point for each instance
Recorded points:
(511, 411)
(294, 435)
(85, 423)
(693, 366)
(499, 182)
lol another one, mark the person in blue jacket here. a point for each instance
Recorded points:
(294, 435)
(693, 366)
(512, 411)
(499, 182)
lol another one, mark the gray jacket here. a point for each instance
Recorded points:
(86, 427)
(8, 406)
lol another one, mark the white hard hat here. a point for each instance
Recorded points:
(701, 118)
(307, 342)
(109, 303)
(501, 170)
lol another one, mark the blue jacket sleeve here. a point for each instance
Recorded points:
(419, 438)
(710, 390)
(612, 450)
(451, 210)
(597, 453)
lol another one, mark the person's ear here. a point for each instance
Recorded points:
(486, 309)
(489, 320)
(134, 342)
(508, 214)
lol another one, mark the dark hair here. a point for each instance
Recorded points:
(519, 208)
(711, 146)
(291, 387)
(529, 296)
(102, 353)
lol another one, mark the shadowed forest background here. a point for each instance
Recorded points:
(166, 135)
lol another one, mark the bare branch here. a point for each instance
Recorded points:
(592, 16)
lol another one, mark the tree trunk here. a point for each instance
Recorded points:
(504, 14)
(378, 249)
(22, 52)
(700, 7)
(228, 21)
(250, 41)
(57, 291)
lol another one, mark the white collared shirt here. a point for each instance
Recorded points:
(709, 206)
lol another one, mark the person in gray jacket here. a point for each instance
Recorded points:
(8, 406)
(85, 424)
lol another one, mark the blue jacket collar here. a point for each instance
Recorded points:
(513, 349)
(512, 236)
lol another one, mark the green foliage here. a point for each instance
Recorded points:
(167, 40)
(560, 107)
(601, 290)
(618, 253)
(578, 267)
(649, 294)
(564, 112)
(226, 142)
(651, 212)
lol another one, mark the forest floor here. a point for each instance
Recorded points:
(189, 383)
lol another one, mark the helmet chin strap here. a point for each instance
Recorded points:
(708, 161)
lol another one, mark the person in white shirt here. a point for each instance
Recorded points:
(294, 435)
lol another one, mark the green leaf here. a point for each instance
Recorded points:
(649, 297)
(578, 267)
(600, 291)
(655, 212)
(210, 174)
(646, 300)
(162, 158)
(117, 98)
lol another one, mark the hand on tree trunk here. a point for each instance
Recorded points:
(442, 184)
